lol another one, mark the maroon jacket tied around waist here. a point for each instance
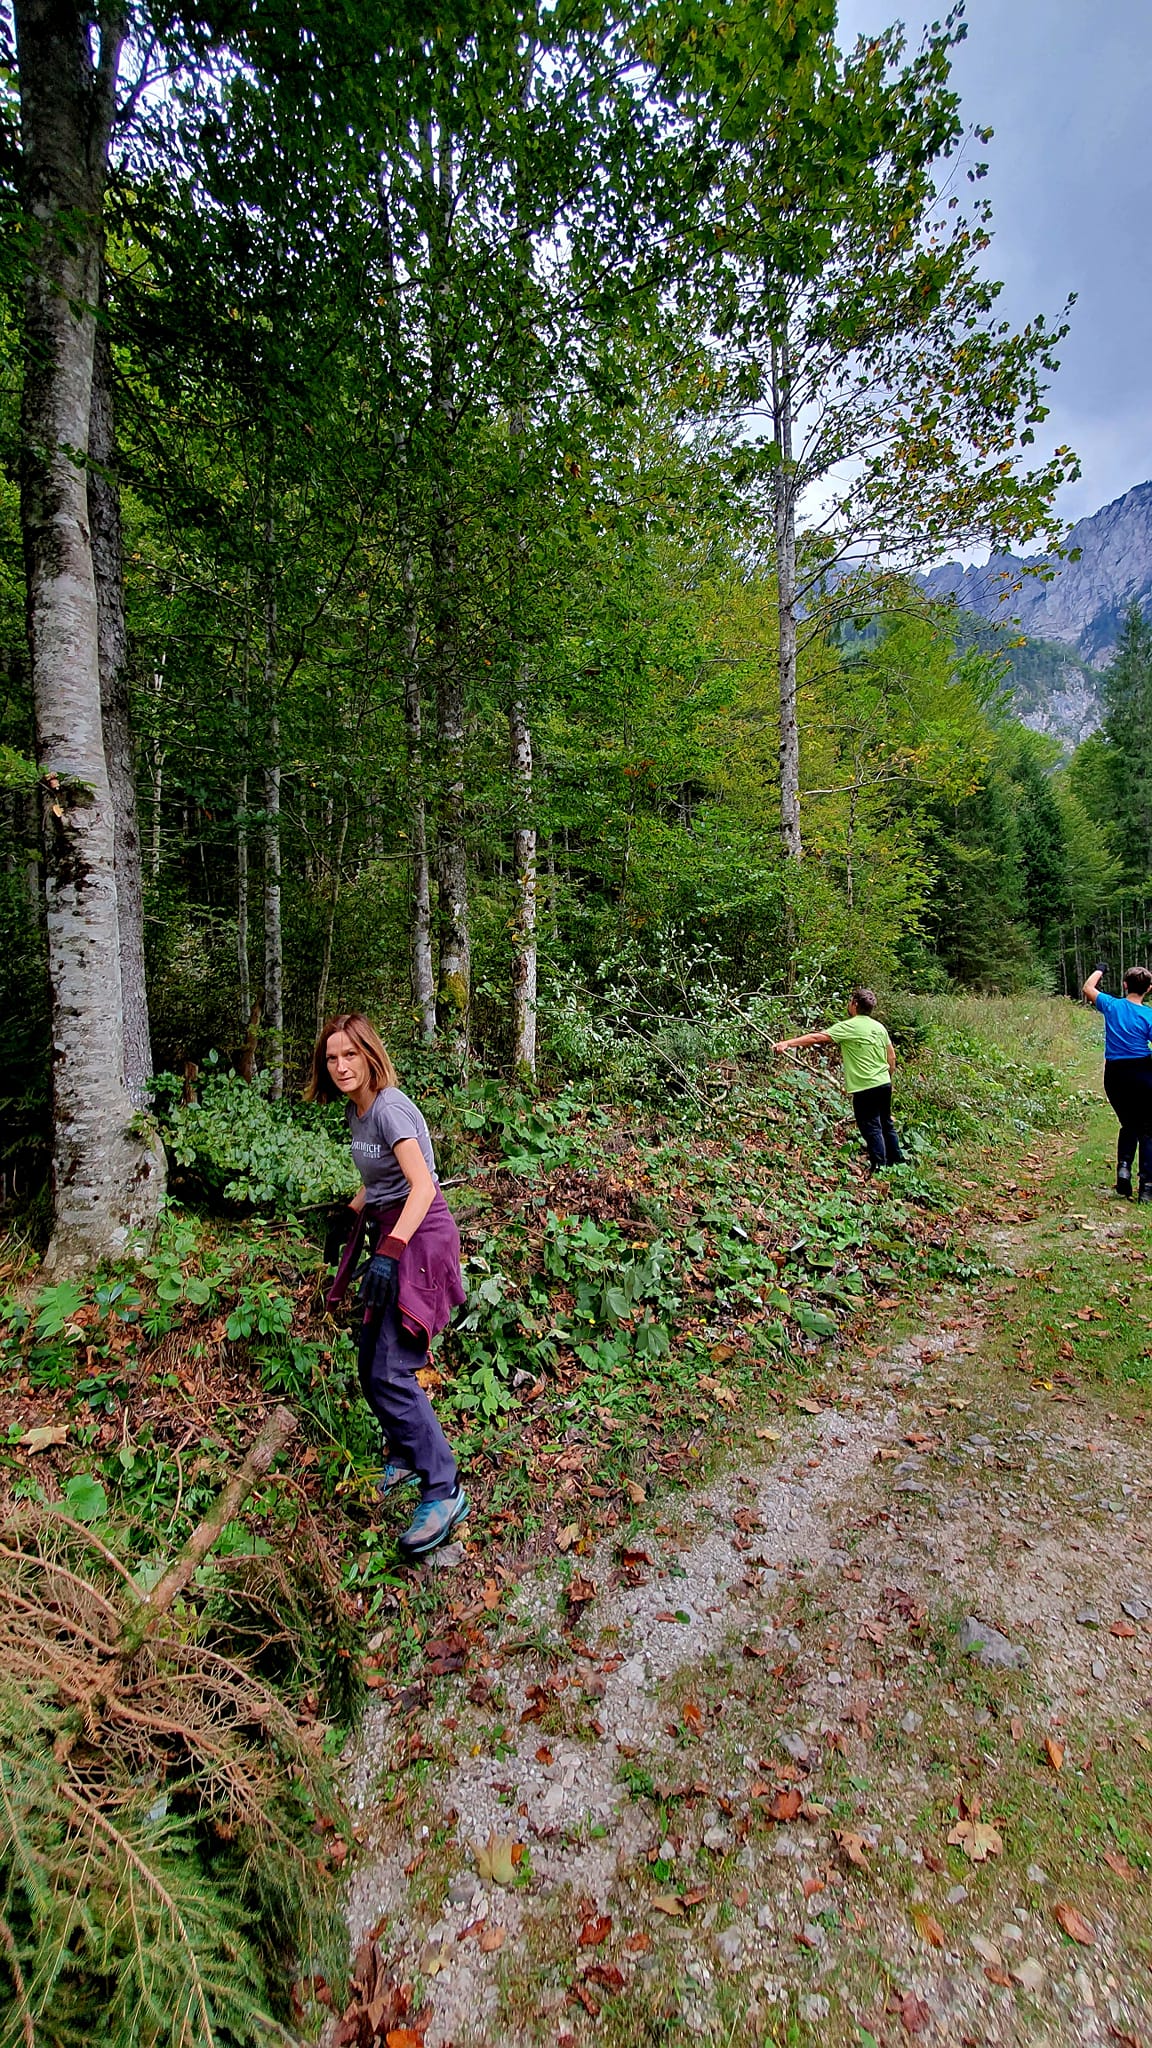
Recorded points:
(430, 1282)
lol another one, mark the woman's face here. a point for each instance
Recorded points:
(346, 1064)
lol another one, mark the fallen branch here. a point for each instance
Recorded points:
(280, 1425)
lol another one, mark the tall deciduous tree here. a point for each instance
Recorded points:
(108, 1175)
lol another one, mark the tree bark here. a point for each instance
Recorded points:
(273, 929)
(524, 864)
(108, 1174)
(784, 515)
(420, 925)
(330, 924)
(116, 716)
(243, 970)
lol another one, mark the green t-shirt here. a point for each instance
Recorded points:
(864, 1044)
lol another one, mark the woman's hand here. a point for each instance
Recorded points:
(381, 1282)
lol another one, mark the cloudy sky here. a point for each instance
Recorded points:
(1067, 86)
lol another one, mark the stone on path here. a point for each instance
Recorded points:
(980, 1640)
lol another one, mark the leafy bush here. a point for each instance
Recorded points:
(237, 1145)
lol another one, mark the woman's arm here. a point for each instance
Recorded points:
(806, 1038)
(421, 1189)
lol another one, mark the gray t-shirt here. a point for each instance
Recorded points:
(386, 1122)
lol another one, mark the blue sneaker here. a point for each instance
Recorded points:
(433, 1523)
(396, 1473)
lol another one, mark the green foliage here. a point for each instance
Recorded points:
(236, 1144)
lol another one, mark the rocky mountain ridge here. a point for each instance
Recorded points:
(1081, 603)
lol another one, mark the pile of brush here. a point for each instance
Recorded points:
(162, 1874)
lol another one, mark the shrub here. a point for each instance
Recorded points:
(236, 1145)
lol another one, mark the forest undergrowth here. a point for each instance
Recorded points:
(651, 1283)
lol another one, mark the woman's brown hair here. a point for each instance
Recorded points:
(320, 1087)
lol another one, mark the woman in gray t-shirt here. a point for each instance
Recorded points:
(412, 1280)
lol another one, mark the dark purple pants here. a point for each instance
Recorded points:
(389, 1359)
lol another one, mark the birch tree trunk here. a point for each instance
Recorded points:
(108, 1173)
(421, 976)
(116, 716)
(454, 981)
(784, 512)
(273, 928)
(524, 867)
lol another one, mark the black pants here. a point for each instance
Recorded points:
(1128, 1086)
(872, 1108)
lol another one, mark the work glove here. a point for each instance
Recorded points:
(381, 1282)
(341, 1223)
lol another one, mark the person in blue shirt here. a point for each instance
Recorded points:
(1128, 1072)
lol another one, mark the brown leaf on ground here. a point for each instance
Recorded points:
(927, 1927)
(667, 1902)
(977, 1839)
(594, 1931)
(586, 1999)
(997, 1974)
(693, 1718)
(1123, 1629)
(636, 1493)
(44, 1437)
(697, 1897)
(491, 1938)
(853, 1847)
(607, 1975)
(580, 1592)
(1074, 1924)
(785, 1804)
(639, 1943)
(567, 1536)
(810, 1407)
(1016, 1728)
(812, 1885)
(1054, 1751)
(914, 2014)
(1120, 1865)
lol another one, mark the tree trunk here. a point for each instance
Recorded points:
(116, 714)
(454, 986)
(108, 1173)
(420, 927)
(243, 969)
(524, 925)
(273, 931)
(330, 926)
(784, 511)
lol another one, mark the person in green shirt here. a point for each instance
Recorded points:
(869, 1065)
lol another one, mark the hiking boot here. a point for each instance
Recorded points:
(396, 1473)
(433, 1523)
(1146, 1191)
(1124, 1182)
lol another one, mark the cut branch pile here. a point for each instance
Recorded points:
(156, 1797)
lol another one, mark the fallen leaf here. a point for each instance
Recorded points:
(594, 1931)
(810, 1407)
(636, 1493)
(1016, 1728)
(586, 1999)
(1122, 1628)
(496, 1861)
(997, 1974)
(667, 1902)
(638, 1944)
(927, 1927)
(769, 1436)
(914, 2014)
(853, 1847)
(43, 1437)
(544, 1754)
(693, 1718)
(580, 1592)
(567, 1536)
(1119, 1864)
(812, 1885)
(491, 1938)
(1074, 1923)
(976, 1839)
(696, 1898)
(606, 1974)
(1054, 1751)
(404, 2037)
(785, 1804)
